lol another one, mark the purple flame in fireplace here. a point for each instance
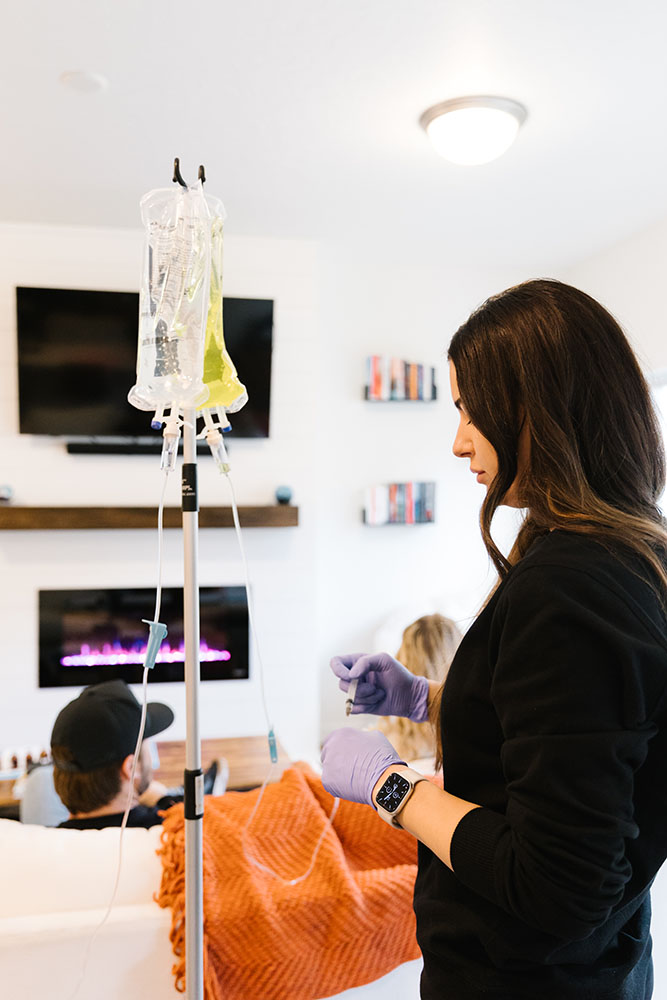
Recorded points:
(113, 654)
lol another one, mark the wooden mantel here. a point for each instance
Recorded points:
(77, 518)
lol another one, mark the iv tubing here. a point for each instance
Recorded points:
(137, 749)
(251, 616)
(249, 856)
(269, 871)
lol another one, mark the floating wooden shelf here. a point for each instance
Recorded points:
(77, 518)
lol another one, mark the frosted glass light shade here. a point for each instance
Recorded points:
(473, 130)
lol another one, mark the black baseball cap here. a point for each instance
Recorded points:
(101, 727)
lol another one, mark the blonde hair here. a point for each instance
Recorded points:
(427, 650)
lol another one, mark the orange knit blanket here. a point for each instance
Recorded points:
(348, 923)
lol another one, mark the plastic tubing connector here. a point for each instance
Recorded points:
(218, 450)
(156, 633)
(273, 749)
(171, 436)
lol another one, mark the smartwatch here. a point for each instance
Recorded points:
(394, 793)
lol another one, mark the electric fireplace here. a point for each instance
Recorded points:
(88, 636)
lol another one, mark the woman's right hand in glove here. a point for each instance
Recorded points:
(385, 686)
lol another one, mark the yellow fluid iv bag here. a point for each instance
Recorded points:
(220, 376)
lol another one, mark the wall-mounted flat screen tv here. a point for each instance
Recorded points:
(88, 636)
(77, 355)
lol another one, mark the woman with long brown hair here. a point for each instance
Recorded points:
(537, 857)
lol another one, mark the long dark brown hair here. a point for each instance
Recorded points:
(549, 355)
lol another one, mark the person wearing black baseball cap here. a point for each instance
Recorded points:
(92, 745)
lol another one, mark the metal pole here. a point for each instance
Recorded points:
(193, 778)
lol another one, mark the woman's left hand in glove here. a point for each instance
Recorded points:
(353, 761)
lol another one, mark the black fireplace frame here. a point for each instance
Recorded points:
(116, 615)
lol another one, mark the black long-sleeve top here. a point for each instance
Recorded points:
(554, 720)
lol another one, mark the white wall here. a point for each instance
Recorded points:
(333, 584)
(629, 279)
(283, 561)
(322, 588)
(392, 299)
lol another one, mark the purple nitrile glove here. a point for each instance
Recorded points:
(352, 762)
(385, 686)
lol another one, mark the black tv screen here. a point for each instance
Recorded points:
(88, 636)
(77, 355)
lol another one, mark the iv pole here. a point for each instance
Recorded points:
(193, 778)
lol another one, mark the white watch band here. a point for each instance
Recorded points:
(413, 778)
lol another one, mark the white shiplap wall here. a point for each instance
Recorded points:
(42, 473)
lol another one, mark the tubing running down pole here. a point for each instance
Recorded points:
(193, 778)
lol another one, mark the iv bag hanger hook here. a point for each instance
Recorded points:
(177, 178)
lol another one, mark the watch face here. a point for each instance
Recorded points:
(392, 792)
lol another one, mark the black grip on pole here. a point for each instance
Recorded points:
(189, 497)
(193, 798)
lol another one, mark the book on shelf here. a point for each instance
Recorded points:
(389, 378)
(400, 503)
(397, 388)
(409, 504)
(413, 381)
(393, 502)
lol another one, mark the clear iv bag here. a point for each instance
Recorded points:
(220, 377)
(174, 299)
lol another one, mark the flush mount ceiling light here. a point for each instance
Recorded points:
(83, 82)
(472, 130)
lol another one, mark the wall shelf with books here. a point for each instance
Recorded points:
(400, 503)
(392, 380)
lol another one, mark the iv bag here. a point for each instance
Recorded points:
(174, 300)
(220, 377)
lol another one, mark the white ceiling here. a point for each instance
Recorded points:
(305, 115)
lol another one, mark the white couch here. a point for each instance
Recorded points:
(55, 887)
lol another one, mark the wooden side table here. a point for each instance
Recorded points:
(247, 756)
